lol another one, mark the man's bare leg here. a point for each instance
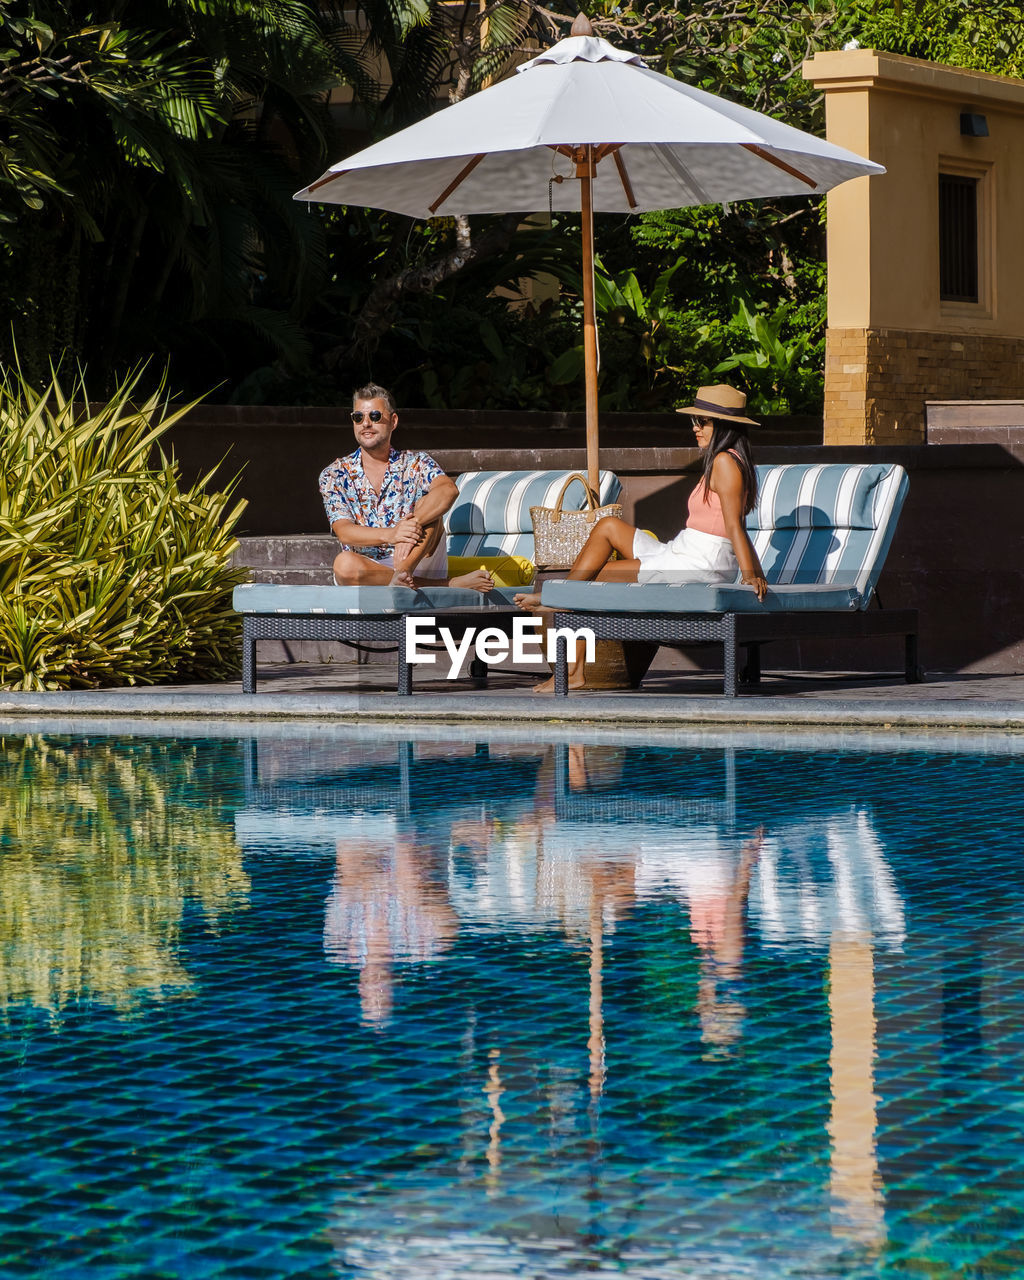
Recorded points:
(354, 570)
(408, 556)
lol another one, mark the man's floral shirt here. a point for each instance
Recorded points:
(348, 495)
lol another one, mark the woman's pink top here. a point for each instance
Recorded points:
(706, 517)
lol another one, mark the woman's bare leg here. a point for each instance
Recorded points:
(593, 563)
(617, 571)
(609, 535)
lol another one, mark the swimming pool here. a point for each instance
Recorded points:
(309, 1005)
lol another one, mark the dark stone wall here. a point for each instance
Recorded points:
(280, 452)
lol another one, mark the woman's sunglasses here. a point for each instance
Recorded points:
(357, 415)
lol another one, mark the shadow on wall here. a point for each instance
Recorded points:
(956, 557)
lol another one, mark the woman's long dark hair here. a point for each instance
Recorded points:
(732, 437)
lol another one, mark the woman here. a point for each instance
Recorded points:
(713, 546)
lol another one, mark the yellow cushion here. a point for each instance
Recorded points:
(507, 571)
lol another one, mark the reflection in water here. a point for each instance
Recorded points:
(709, 871)
(101, 847)
(856, 1187)
(595, 1040)
(493, 1092)
(522, 1052)
(823, 875)
(585, 851)
(385, 908)
(718, 926)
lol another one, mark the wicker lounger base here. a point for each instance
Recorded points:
(355, 628)
(735, 630)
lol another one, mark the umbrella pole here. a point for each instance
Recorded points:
(584, 158)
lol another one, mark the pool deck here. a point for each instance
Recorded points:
(358, 693)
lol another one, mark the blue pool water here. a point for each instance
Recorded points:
(327, 1007)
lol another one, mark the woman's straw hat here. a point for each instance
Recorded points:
(721, 401)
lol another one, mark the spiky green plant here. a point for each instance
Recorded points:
(111, 571)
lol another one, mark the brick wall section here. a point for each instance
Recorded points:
(878, 380)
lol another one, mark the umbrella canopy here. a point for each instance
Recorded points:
(586, 111)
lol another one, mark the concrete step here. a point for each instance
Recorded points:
(294, 560)
(279, 551)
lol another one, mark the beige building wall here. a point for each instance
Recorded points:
(891, 342)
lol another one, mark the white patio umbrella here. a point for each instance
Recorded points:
(587, 112)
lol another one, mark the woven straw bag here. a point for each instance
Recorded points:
(558, 536)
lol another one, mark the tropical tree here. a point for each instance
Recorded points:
(686, 268)
(149, 149)
(105, 849)
(147, 153)
(986, 35)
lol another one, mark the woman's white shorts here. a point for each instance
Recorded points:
(691, 556)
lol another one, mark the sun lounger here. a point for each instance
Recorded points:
(490, 519)
(822, 533)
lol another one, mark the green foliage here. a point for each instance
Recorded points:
(148, 155)
(653, 346)
(111, 571)
(774, 368)
(149, 150)
(668, 288)
(749, 50)
(985, 36)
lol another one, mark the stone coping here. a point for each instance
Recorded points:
(325, 730)
(516, 707)
(862, 68)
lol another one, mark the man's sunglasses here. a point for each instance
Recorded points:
(357, 415)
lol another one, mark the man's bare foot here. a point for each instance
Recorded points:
(577, 680)
(403, 579)
(478, 580)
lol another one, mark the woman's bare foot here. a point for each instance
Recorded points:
(478, 580)
(529, 600)
(403, 579)
(577, 680)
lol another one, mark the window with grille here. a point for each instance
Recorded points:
(958, 238)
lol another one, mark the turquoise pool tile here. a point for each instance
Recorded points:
(487, 1099)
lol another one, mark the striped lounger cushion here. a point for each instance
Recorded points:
(491, 515)
(827, 523)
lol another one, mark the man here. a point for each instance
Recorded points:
(386, 506)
